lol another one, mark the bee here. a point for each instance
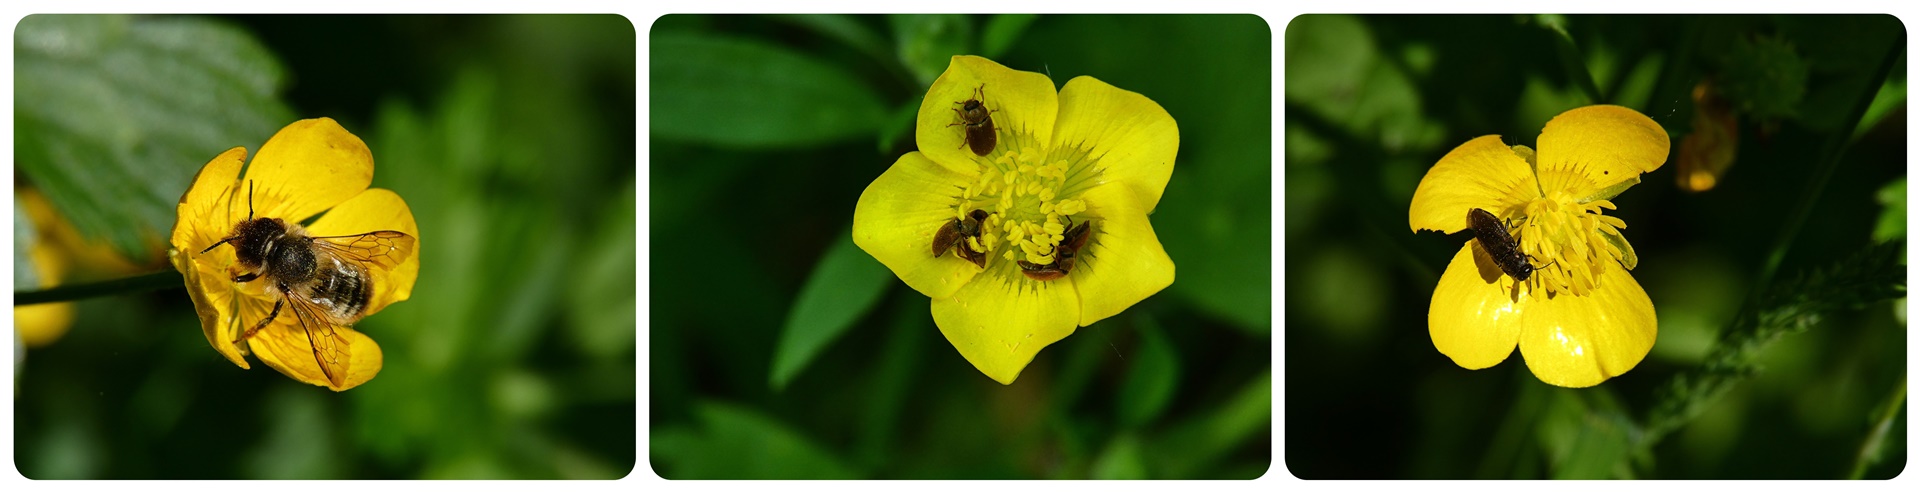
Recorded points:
(1493, 237)
(979, 121)
(1070, 245)
(954, 234)
(326, 280)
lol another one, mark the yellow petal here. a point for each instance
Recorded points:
(1123, 262)
(203, 217)
(378, 209)
(1002, 319)
(1019, 103)
(1480, 174)
(308, 167)
(1134, 139)
(1474, 318)
(1580, 341)
(1605, 143)
(897, 216)
(283, 346)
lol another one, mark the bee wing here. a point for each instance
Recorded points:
(378, 253)
(381, 250)
(329, 345)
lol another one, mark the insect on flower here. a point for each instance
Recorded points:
(1494, 238)
(326, 280)
(954, 235)
(1070, 244)
(979, 123)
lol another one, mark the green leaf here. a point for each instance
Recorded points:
(1121, 460)
(1200, 442)
(730, 91)
(734, 442)
(601, 289)
(926, 43)
(1892, 224)
(1151, 381)
(115, 114)
(844, 285)
(1002, 30)
(842, 28)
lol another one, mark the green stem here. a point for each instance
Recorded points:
(1870, 448)
(136, 284)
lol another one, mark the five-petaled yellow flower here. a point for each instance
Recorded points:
(1090, 154)
(309, 167)
(1580, 318)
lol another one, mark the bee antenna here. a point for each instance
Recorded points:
(222, 241)
(249, 200)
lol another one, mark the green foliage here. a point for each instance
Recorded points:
(1765, 77)
(735, 442)
(115, 114)
(729, 91)
(1002, 31)
(1150, 383)
(926, 44)
(1872, 275)
(845, 284)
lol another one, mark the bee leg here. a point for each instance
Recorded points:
(263, 323)
(246, 277)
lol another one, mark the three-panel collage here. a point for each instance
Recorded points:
(1243, 249)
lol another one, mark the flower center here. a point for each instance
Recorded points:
(1570, 244)
(1032, 193)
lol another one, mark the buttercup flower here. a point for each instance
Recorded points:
(1579, 318)
(1065, 191)
(309, 167)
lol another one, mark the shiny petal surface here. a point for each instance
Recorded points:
(897, 216)
(1123, 262)
(284, 347)
(1482, 173)
(1002, 319)
(202, 220)
(378, 209)
(1580, 341)
(308, 167)
(1607, 144)
(1020, 102)
(1474, 318)
(1132, 139)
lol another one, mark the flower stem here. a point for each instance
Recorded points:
(127, 285)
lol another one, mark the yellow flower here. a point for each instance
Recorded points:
(1579, 318)
(1091, 155)
(309, 167)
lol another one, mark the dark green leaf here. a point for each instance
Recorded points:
(115, 114)
(1151, 381)
(734, 442)
(842, 28)
(844, 285)
(737, 92)
(1184, 450)
(927, 43)
(1121, 460)
(1002, 30)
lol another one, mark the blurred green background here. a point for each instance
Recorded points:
(780, 350)
(1372, 102)
(511, 139)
